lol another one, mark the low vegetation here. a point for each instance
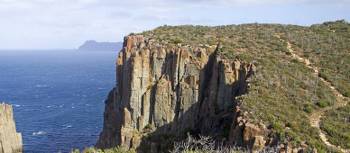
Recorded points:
(327, 46)
(204, 144)
(112, 150)
(337, 125)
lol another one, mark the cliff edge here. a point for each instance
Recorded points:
(10, 140)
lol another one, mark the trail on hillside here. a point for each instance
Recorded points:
(316, 116)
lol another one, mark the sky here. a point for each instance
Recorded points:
(66, 24)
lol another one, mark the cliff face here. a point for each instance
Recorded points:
(170, 90)
(10, 140)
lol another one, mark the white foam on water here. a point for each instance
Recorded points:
(38, 133)
(66, 126)
(41, 86)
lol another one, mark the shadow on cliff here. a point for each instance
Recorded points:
(205, 117)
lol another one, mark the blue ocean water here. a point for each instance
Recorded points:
(58, 96)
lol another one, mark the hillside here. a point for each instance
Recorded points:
(251, 85)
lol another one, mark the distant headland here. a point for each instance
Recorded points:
(92, 45)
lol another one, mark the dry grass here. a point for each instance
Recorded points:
(205, 144)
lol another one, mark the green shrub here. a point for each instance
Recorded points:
(307, 109)
(112, 150)
(322, 103)
(177, 41)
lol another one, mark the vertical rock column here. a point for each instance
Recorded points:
(10, 140)
(170, 89)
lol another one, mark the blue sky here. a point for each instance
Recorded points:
(45, 24)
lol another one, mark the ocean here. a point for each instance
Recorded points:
(57, 96)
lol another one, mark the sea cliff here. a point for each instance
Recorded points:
(10, 140)
(256, 86)
(171, 91)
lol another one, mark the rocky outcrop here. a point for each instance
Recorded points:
(173, 89)
(10, 140)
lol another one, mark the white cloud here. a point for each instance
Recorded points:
(67, 23)
(268, 2)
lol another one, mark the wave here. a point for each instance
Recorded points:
(67, 126)
(41, 86)
(38, 133)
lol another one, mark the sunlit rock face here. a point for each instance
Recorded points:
(10, 140)
(171, 90)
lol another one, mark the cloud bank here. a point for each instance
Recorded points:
(26, 24)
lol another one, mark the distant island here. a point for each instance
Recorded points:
(92, 45)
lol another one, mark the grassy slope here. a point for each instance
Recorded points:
(283, 92)
(328, 47)
(337, 124)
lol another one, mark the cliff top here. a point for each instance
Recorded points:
(5, 107)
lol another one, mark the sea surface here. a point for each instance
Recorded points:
(57, 96)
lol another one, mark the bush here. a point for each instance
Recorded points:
(307, 108)
(322, 103)
(113, 150)
(205, 144)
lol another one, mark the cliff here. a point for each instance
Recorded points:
(10, 140)
(168, 91)
(251, 85)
